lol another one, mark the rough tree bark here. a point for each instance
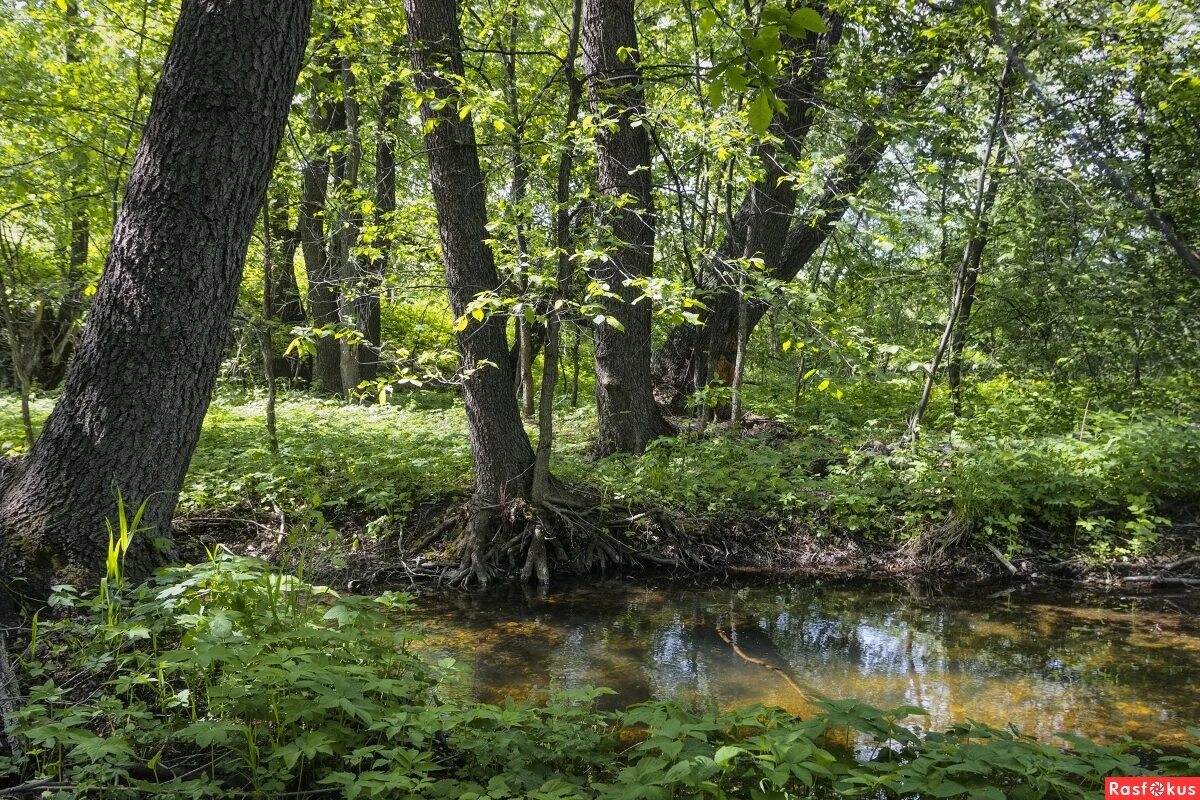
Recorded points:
(140, 383)
(627, 417)
(500, 450)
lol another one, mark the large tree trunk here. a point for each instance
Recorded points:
(325, 117)
(627, 416)
(786, 254)
(500, 449)
(140, 383)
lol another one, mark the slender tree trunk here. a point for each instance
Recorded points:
(371, 354)
(267, 331)
(958, 341)
(502, 456)
(60, 333)
(322, 283)
(627, 416)
(23, 339)
(286, 304)
(138, 388)
(347, 164)
(575, 367)
(743, 326)
(565, 268)
(967, 274)
(516, 198)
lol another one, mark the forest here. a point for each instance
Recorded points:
(598, 398)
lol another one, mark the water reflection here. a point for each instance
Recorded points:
(1120, 667)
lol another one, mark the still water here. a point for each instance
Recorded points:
(1093, 665)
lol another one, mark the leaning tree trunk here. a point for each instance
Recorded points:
(627, 417)
(500, 449)
(140, 382)
(958, 340)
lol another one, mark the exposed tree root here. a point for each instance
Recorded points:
(567, 530)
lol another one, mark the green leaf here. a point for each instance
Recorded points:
(809, 20)
(726, 754)
(716, 93)
(760, 112)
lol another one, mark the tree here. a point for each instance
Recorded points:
(962, 296)
(138, 388)
(501, 453)
(786, 240)
(627, 417)
(325, 118)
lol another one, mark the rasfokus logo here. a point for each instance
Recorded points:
(1152, 788)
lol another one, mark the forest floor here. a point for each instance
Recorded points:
(1035, 487)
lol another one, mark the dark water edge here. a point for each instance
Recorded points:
(1045, 659)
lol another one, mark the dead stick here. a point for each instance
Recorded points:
(1008, 565)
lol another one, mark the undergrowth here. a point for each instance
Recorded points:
(1035, 466)
(231, 680)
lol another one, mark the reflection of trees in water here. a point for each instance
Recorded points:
(1046, 666)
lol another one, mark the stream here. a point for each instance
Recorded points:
(1097, 665)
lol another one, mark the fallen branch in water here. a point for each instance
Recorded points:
(800, 690)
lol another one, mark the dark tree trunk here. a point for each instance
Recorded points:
(286, 304)
(785, 256)
(140, 383)
(500, 449)
(322, 283)
(627, 417)
(958, 340)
